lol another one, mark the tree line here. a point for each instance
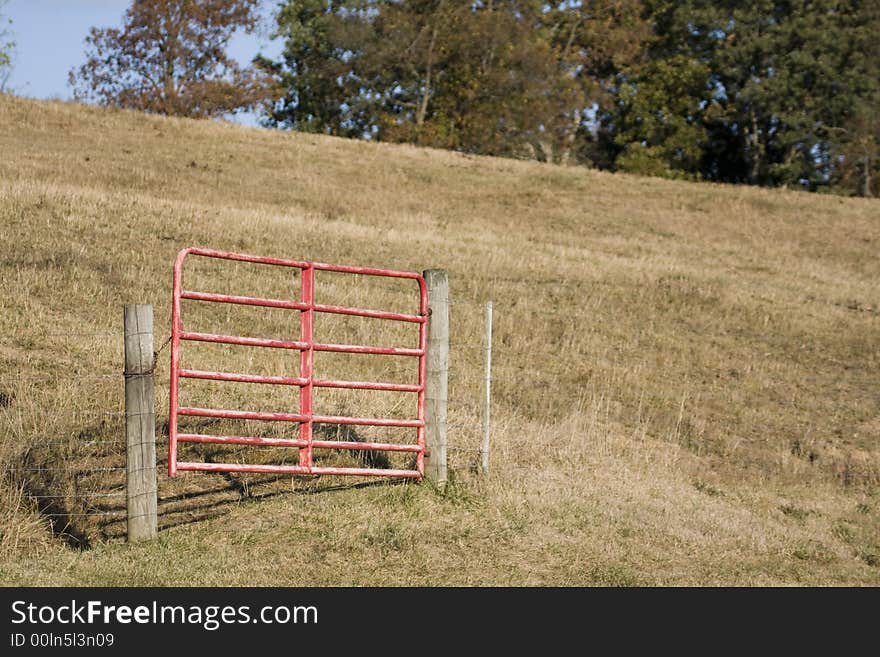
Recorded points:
(769, 92)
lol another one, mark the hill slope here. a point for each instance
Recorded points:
(685, 383)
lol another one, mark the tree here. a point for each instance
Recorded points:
(170, 58)
(593, 43)
(7, 48)
(323, 39)
(855, 143)
(413, 71)
(475, 79)
(499, 77)
(858, 150)
(785, 79)
(660, 119)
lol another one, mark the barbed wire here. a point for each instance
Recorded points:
(82, 514)
(75, 496)
(75, 443)
(73, 470)
(77, 334)
(53, 376)
(117, 415)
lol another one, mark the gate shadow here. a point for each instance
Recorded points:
(208, 507)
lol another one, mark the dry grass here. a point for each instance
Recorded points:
(686, 375)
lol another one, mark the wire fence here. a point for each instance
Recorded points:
(63, 442)
(62, 437)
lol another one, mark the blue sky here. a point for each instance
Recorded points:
(50, 36)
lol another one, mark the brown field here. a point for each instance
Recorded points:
(686, 383)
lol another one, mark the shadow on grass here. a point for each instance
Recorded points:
(217, 508)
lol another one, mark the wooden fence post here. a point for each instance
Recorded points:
(140, 422)
(436, 384)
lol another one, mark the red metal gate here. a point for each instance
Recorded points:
(306, 382)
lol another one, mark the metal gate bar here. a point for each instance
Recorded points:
(306, 382)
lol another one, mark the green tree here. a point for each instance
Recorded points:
(855, 142)
(170, 58)
(323, 40)
(858, 149)
(502, 77)
(454, 76)
(785, 77)
(594, 42)
(660, 120)
(7, 48)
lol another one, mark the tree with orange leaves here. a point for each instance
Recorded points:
(170, 58)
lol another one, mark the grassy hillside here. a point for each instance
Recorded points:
(686, 381)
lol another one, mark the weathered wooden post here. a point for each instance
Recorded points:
(436, 384)
(140, 422)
